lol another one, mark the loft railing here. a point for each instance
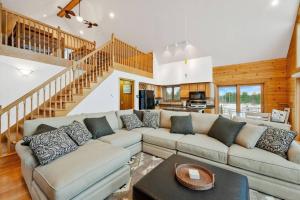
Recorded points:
(22, 32)
(51, 96)
(128, 55)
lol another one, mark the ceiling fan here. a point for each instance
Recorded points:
(68, 13)
(90, 24)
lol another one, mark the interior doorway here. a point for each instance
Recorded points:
(126, 94)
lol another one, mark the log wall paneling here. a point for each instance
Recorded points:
(271, 73)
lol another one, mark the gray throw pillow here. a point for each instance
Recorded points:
(78, 132)
(276, 140)
(99, 127)
(225, 130)
(181, 124)
(131, 121)
(139, 114)
(51, 145)
(42, 128)
(151, 119)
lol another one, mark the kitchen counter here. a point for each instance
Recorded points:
(209, 109)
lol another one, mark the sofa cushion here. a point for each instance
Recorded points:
(203, 146)
(202, 122)
(276, 140)
(42, 128)
(111, 118)
(131, 121)
(67, 177)
(151, 119)
(162, 137)
(181, 124)
(260, 122)
(225, 130)
(78, 132)
(99, 127)
(264, 162)
(122, 138)
(165, 117)
(249, 135)
(119, 113)
(51, 145)
(142, 130)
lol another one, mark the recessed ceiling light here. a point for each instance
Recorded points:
(112, 15)
(81, 32)
(274, 3)
(44, 15)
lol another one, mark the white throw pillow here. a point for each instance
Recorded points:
(249, 135)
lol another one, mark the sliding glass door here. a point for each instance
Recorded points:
(240, 98)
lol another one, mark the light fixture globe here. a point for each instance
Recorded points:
(79, 19)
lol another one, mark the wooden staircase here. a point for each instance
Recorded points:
(62, 92)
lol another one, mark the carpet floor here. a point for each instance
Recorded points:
(142, 164)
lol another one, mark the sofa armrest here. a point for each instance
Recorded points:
(28, 162)
(294, 152)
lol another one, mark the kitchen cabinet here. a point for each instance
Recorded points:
(184, 90)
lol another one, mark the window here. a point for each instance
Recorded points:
(227, 99)
(240, 98)
(172, 93)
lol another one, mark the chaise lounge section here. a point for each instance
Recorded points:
(105, 168)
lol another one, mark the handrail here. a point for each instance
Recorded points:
(24, 97)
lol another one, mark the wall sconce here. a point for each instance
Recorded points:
(25, 71)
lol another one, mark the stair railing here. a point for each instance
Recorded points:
(22, 32)
(50, 96)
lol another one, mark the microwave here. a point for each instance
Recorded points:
(197, 96)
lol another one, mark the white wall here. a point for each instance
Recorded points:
(106, 97)
(196, 70)
(14, 84)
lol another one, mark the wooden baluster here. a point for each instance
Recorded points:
(24, 111)
(39, 35)
(60, 91)
(48, 43)
(58, 42)
(38, 103)
(24, 39)
(31, 106)
(34, 37)
(52, 42)
(17, 122)
(44, 99)
(6, 27)
(44, 40)
(18, 32)
(8, 132)
(55, 93)
(65, 86)
(70, 86)
(50, 100)
(88, 72)
(94, 68)
(29, 35)
(12, 34)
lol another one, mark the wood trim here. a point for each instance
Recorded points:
(29, 55)
(132, 70)
(132, 92)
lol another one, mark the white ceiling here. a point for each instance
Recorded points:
(231, 31)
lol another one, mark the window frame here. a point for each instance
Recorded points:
(238, 95)
(172, 100)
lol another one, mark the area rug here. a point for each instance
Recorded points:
(143, 163)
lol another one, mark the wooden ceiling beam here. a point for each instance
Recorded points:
(69, 6)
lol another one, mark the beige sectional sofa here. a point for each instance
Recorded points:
(100, 167)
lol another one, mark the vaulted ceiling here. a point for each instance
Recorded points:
(231, 31)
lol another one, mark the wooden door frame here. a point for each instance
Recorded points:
(297, 106)
(133, 91)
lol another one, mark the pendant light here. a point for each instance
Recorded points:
(79, 18)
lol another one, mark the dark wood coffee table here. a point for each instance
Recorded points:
(161, 184)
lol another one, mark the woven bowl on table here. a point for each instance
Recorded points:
(206, 181)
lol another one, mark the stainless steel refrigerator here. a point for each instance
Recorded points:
(146, 99)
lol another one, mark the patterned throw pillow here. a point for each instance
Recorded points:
(151, 119)
(276, 140)
(78, 132)
(131, 121)
(51, 145)
(42, 128)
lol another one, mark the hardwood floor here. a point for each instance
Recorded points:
(12, 185)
